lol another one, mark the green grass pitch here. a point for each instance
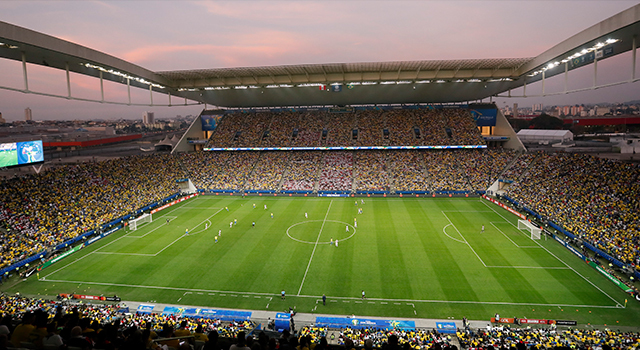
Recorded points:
(414, 257)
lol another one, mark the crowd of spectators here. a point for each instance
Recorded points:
(505, 337)
(380, 338)
(400, 124)
(596, 199)
(446, 171)
(519, 166)
(432, 128)
(310, 129)
(370, 125)
(278, 129)
(42, 210)
(268, 171)
(336, 174)
(483, 167)
(235, 171)
(45, 324)
(281, 129)
(407, 171)
(371, 171)
(339, 128)
(303, 171)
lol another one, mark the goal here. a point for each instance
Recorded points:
(528, 226)
(144, 218)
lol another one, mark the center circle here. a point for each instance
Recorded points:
(333, 229)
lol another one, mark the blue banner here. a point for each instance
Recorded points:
(282, 322)
(173, 310)
(359, 323)
(209, 122)
(484, 116)
(571, 248)
(145, 309)
(446, 327)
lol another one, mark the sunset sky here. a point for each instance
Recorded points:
(172, 35)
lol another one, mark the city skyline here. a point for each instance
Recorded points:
(217, 34)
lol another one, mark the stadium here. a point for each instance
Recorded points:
(351, 205)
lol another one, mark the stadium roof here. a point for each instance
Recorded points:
(429, 81)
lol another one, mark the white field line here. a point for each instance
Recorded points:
(465, 240)
(98, 250)
(315, 246)
(334, 299)
(618, 304)
(507, 237)
(444, 230)
(179, 238)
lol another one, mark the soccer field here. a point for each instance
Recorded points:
(413, 257)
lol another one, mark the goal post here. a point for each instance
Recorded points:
(144, 218)
(528, 226)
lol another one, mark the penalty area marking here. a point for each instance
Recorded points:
(323, 221)
(618, 304)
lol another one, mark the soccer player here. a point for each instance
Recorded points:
(265, 207)
(363, 294)
(324, 299)
(347, 228)
(362, 201)
(235, 221)
(186, 231)
(227, 208)
(306, 216)
(482, 230)
(282, 296)
(230, 224)
(272, 215)
(220, 233)
(216, 238)
(253, 224)
(355, 224)
(336, 243)
(206, 226)
(331, 241)
(356, 203)
(167, 221)
(254, 205)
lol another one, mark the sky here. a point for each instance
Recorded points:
(174, 35)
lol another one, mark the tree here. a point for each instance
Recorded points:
(545, 121)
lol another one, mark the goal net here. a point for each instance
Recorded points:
(528, 226)
(134, 223)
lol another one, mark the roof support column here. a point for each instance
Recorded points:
(151, 94)
(595, 73)
(101, 88)
(566, 76)
(543, 81)
(524, 88)
(129, 90)
(169, 94)
(24, 71)
(634, 46)
(66, 68)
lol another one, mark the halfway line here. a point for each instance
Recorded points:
(314, 247)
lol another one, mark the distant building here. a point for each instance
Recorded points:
(602, 110)
(147, 118)
(27, 114)
(537, 107)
